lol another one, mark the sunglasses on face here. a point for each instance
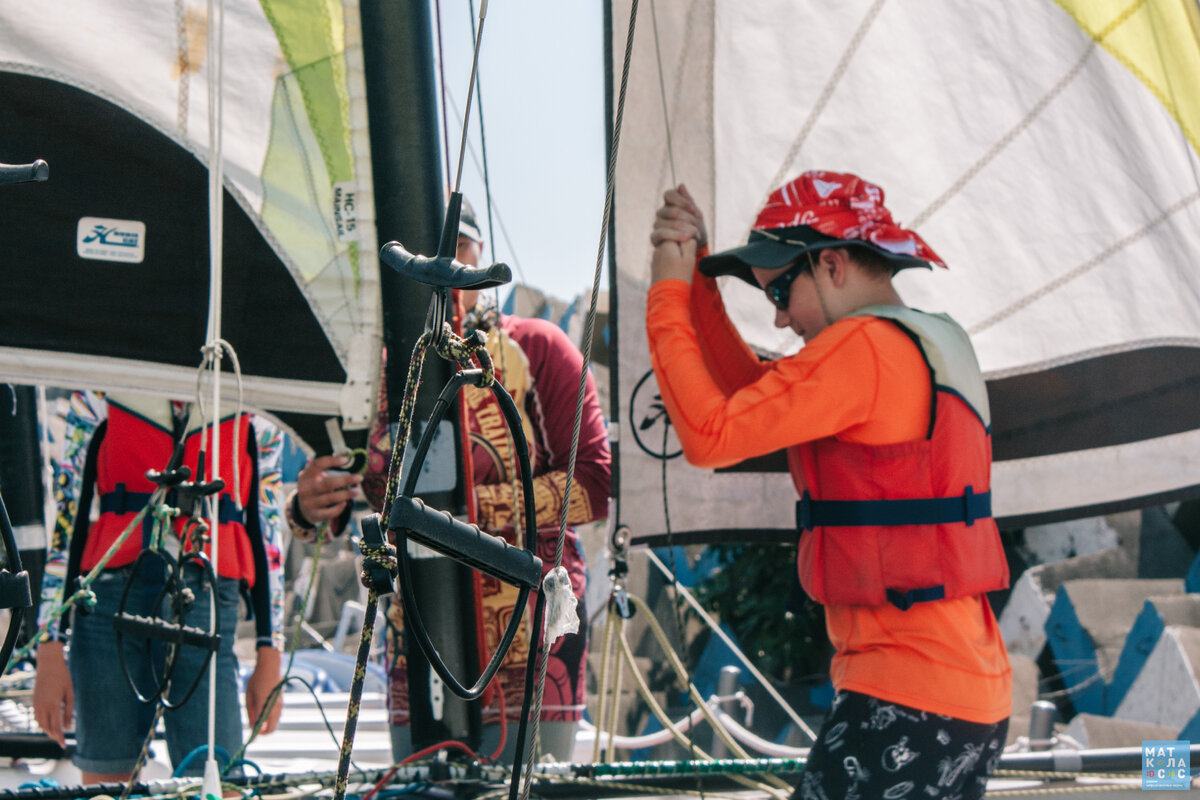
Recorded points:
(779, 290)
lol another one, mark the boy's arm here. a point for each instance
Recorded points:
(826, 388)
(679, 222)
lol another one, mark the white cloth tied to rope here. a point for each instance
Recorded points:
(561, 617)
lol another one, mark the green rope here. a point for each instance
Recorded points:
(84, 595)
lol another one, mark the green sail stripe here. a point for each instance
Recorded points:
(311, 35)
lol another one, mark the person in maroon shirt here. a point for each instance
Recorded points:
(540, 368)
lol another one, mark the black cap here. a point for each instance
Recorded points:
(467, 224)
(782, 246)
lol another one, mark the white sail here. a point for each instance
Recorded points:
(297, 175)
(1046, 150)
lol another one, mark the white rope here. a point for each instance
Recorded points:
(216, 232)
(737, 651)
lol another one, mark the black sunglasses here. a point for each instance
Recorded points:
(779, 290)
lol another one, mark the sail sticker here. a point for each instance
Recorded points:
(103, 239)
(649, 421)
(344, 211)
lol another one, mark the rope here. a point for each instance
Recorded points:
(583, 374)
(384, 555)
(741, 656)
(462, 146)
(662, 90)
(677, 665)
(442, 71)
(84, 593)
(159, 708)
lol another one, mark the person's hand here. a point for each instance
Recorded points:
(53, 694)
(673, 261)
(322, 495)
(678, 220)
(259, 686)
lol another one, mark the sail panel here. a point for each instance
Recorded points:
(126, 86)
(1047, 156)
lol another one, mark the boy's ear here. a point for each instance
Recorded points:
(835, 263)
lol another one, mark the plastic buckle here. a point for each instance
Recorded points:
(804, 512)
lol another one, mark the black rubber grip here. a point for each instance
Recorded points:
(153, 628)
(465, 543)
(443, 271)
(24, 173)
(14, 590)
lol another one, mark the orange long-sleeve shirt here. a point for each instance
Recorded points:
(855, 382)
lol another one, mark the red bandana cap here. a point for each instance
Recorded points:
(816, 211)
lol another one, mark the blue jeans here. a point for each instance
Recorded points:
(110, 724)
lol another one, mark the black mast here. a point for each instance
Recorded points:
(409, 207)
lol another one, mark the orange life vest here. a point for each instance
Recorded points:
(140, 436)
(909, 522)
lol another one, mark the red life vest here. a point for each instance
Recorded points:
(909, 522)
(140, 437)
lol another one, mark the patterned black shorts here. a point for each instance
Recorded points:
(870, 749)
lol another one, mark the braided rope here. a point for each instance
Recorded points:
(543, 651)
(159, 708)
(378, 555)
(84, 595)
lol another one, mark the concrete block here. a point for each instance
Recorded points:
(1046, 544)
(1094, 731)
(1166, 691)
(1023, 620)
(1192, 580)
(1162, 550)
(1156, 615)
(1087, 628)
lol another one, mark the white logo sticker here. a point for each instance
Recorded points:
(345, 214)
(105, 239)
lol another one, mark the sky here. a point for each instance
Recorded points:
(541, 72)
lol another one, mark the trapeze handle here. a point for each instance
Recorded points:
(153, 628)
(443, 271)
(465, 543)
(24, 173)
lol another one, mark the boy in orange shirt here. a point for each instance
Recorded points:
(885, 418)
